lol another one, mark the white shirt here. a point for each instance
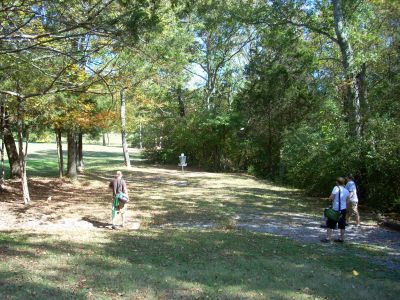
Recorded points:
(351, 187)
(344, 194)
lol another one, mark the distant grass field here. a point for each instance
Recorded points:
(174, 263)
(42, 159)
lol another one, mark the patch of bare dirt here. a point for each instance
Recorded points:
(54, 204)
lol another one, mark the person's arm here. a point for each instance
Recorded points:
(333, 194)
(124, 188)
(350, 187)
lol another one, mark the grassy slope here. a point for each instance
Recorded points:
(176, 264)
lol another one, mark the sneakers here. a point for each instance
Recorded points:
(114, 227)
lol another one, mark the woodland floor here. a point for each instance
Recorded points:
(188, 225)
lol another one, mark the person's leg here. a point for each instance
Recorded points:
(342, 224)
(342, 234)
(123, 212)
(350, 212)
(355, 210)
(329, 234)
(330, 226)
(113, 213)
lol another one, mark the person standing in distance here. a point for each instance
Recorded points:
(339, 198)
(353, 207)
(118, 185)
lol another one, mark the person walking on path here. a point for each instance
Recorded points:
(353, 205)
(120, 191)
(339, 198)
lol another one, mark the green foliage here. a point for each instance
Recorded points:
(205, 139)
(314, 155)
(382, 164)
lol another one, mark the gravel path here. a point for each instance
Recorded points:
(307, 229)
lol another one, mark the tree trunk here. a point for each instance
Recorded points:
(353, 93)
(72, 168)
(180, 102)
(123, 129)
(60, 154)
(209, 83)
(22, 154)
(80, 153)
(361, 88)
(269, 142)
(141, 135)
(2, 180)
(2, 147)
(11, 148)
(104, 139)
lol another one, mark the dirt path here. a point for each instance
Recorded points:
(165, 198)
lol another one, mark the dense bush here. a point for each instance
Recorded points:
(206, 140)
(314, 155)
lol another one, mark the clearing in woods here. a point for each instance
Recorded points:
(202, 235)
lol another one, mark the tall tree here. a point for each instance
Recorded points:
(123, 128)
(220, 41)
(9, 142)
(354, 84)
(72, 154)
(2, 120)
(22, 153)
(60, 156)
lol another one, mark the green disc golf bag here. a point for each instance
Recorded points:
(332, 214)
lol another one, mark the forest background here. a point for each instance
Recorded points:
(294, 91)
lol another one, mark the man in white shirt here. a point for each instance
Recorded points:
(353, 207)
(339, 198)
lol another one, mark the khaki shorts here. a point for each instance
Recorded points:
(353, 208)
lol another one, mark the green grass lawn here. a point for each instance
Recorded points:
(166, 264)
(161, 263)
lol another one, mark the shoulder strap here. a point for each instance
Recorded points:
(339, 199)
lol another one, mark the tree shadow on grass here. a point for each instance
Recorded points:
(96, 223)
(194, 264)
(16, 287)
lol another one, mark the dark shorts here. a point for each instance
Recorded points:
(341, 223)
